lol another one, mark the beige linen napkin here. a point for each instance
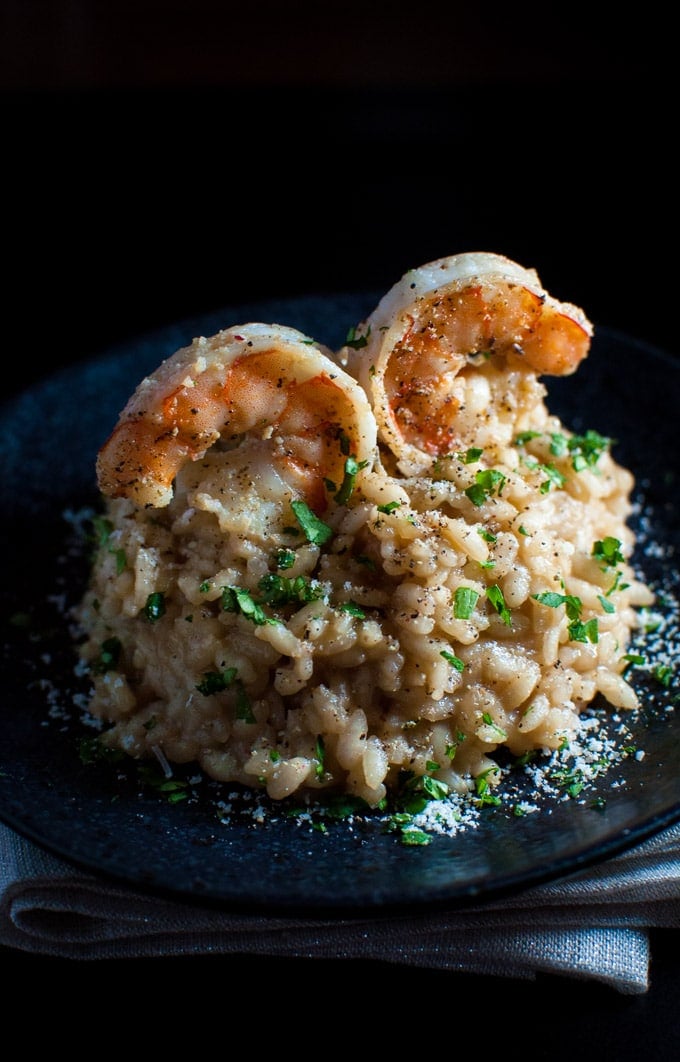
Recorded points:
(593, 924)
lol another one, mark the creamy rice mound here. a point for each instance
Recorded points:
(412, 632)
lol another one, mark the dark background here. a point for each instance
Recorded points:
(166, 159)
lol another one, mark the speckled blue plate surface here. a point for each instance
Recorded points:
(102, 818)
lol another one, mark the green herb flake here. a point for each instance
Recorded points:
(464, 601)
(352, 469)
(584, 632)
(471, 456)
(91, 751)
(608, 552)
(154, 608)
(389, 507)
(244, 709)
(108, 657)
(559, 444)
(216, 681)
(488, 721)
(606, 605)
(315, 530)
(485, 796)
(587, 449)
(354, 341)
(577, 629)
(495, 596)
(367, 562)
(555, 478)
(320, 753)
(453, 660)
(284, 558)
(237, 599)
(353, 609)
(280, 590)
(413, 837)
(102, 529)
(476, 494)
(634, 659)
(526, 436)
(663, 673)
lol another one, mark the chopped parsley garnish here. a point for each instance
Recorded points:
(284, 558)
(555, 478)
(108, 657)
(416, 792)
(352, 469)
(587, 449)
(92, 750)
(571, 780)
(471, 456)
(410, 835)
(453, 660)
(154, 608)
(578, 630)
(121, 560)
(487, 482)
(279, 590)
(526, 436)
(103, 528)
(495, 596)
(488, 721)
(464, 601)
(388, 507)
(315, 530)
(353, 609)
(485, 796)
(216, 681)
(663, 673)
(608, 552)
(244, 710)
(173, 789)
(368, 562)
(488, 536)
(320, 753)
(634, 659)
(237, 599)
(354, 341)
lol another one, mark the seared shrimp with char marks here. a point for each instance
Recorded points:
(428, 353)
(264, 381)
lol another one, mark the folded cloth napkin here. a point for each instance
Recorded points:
(591, 924)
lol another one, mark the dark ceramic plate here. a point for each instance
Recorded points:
(103, 818)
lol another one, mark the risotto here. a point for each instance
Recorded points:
(353, 570)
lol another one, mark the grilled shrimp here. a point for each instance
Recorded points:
(264, 381)
(427, 354)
